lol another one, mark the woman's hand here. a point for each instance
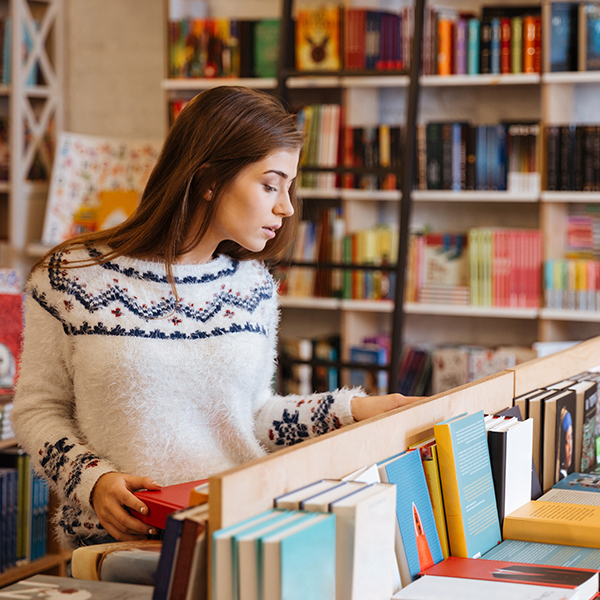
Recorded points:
(364, 407)
(111, 494)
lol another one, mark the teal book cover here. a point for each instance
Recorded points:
(303, 554)
(414, 512)
(580, 482)
(473, 47)
(475, 484)
(545, 554)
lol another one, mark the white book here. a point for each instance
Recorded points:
(292, 500)
(434, 588)
(321, 502)
(365, 529)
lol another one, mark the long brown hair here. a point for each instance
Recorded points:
(217, 134)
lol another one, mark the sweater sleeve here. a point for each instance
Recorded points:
(288, 420)
(44, 410)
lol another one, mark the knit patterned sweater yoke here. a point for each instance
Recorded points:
(118, 376)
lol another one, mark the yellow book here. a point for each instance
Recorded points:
(429, 457)
(318, 39)
(115, 207)
(554, 523)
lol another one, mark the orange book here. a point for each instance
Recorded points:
(529, 44)
(318, 39)
(444, 59)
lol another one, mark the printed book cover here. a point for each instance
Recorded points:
(545, 554)
(318, 39)
(84, 166)
(586, 580)
(418, 544)
(467, 485)
(11, 317)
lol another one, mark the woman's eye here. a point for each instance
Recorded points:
(269, 188)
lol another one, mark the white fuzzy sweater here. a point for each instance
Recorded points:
(116, 377)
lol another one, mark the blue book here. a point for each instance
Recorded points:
(580, 482)
(500, 158)
(492, 149)
(458, 163)
(481, 178)
(563, 36)
(222, 552)
(495, 47)
(7, 51)
(473, 47)
(467, 485)
(417, 541)
(298, 562)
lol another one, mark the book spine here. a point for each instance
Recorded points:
(460, 47)
(447, 156)
(485, 47)
(450, 486)
(504, 45)
(444, 56)
(529, 44)
(552, 157)
(495, 46)
(473, 47)
(471, 157)
(516, 45)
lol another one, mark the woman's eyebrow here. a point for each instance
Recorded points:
(280, 173)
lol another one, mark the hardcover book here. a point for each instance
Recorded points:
(318, 39)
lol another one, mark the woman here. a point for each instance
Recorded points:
(150, 348)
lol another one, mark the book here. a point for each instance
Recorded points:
(584, 581)
(247, 581)
(222, 553)
(318, 39)
(93, 164)
(163, 502)
(292, 500)
(127, 562)
(43, 587)
(545, 554)
(585, 440)
(576, 488)
(510, 444)
(182, 530)
(433, 588)
(560, 432)
(589, 37)
(11, 317)
(365, 542)
(115, 207)
(266, 47)
(563, 36)
(321, 502)
(298, 561)
(467, 485)
(554, 523)
(417, 541)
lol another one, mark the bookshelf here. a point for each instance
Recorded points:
(338, 453)
(35, 115)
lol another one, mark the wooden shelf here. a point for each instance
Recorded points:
(204, 84)
(376, 306)
(563, 314)
(46, 563)
(572, 77)
(473, 196)
(348, 81)
(470, 80)
(417, 308)
(570, 196)
(351, 194)
(9, 443)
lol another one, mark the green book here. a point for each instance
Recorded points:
(266, 47)
(516, 45)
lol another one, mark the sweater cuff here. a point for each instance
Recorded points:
(85, 472)
(343, 404)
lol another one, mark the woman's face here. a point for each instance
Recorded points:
(252, 207)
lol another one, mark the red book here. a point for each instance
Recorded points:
(163, 502)
(505, 45)
(11, 329)
(537, 57)
(583, 580)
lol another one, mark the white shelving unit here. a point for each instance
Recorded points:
(37, 110)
